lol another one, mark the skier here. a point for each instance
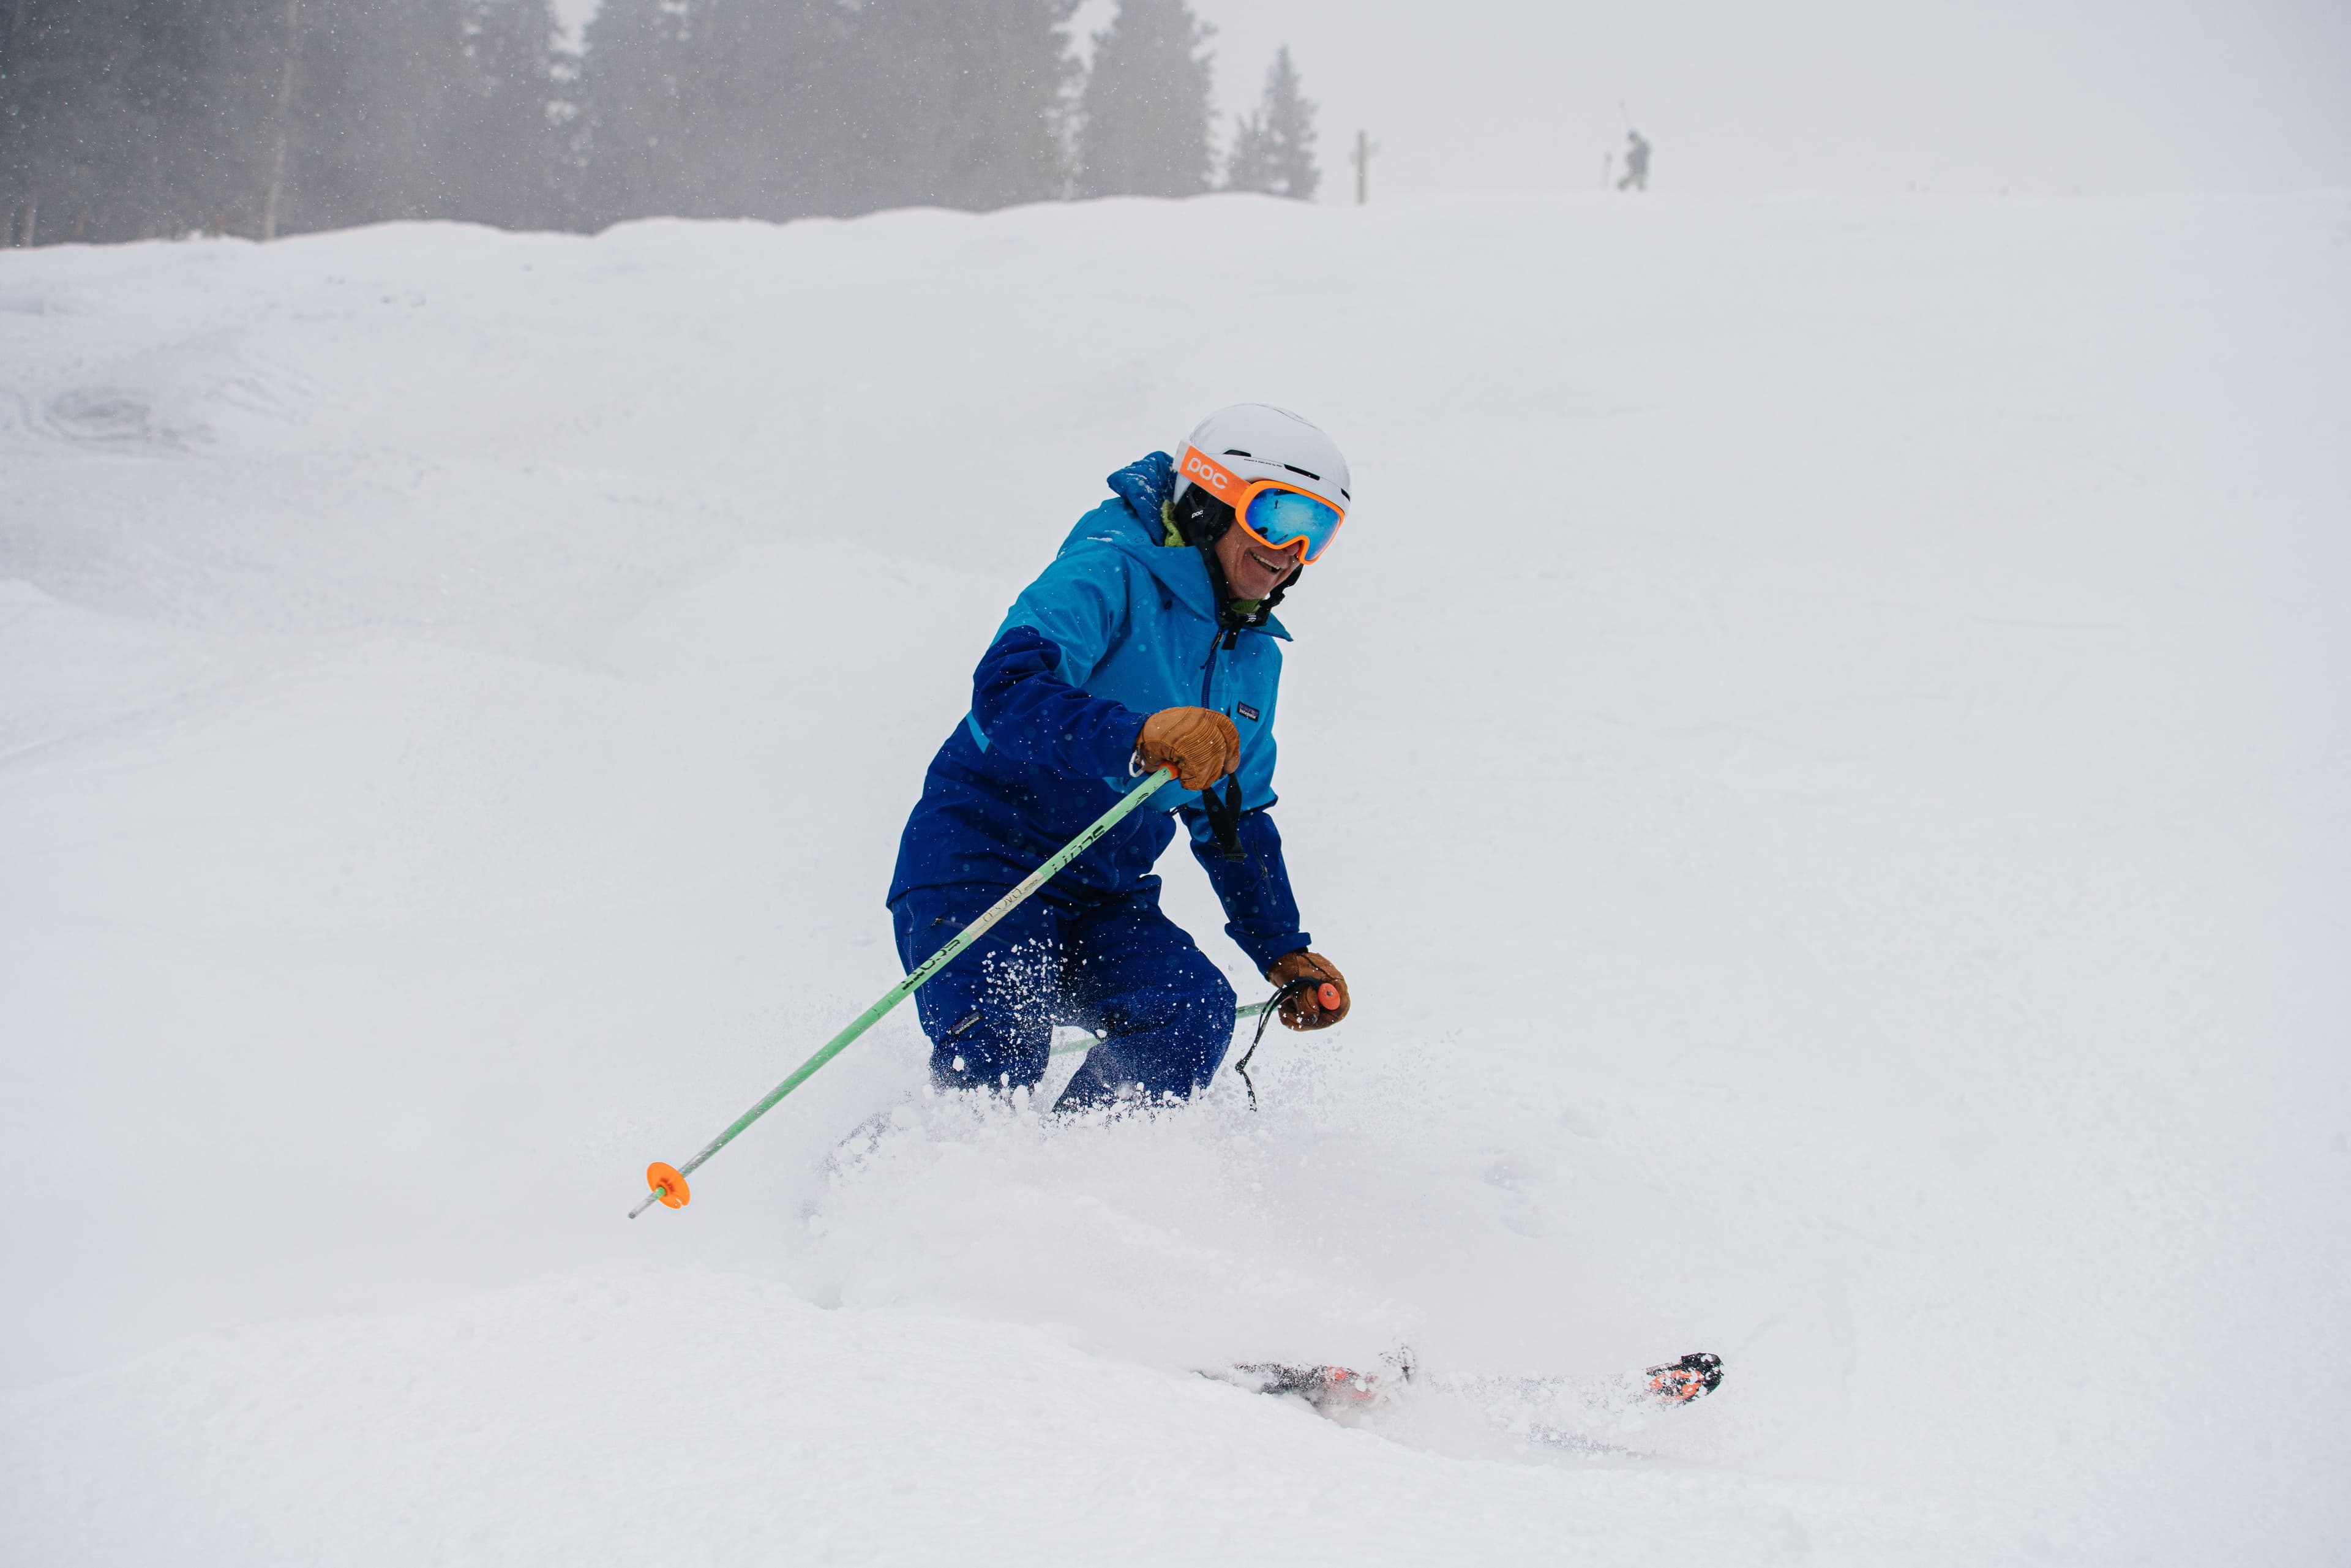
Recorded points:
(1637, 162)
(1148, 642)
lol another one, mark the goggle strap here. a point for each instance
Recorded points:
(1212, 475)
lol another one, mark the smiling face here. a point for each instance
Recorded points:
(1252, 571)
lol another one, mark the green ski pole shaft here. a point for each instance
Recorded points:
(660, 1177)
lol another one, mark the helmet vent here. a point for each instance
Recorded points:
(1294, 468)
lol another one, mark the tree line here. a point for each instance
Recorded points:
(132, 119)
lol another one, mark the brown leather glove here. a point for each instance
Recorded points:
(1199, 743)
(1305, 1009)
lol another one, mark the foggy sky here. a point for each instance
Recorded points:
(2037, 97)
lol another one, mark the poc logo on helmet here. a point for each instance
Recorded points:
(1201, 469)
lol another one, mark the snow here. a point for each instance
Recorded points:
(1822, 756)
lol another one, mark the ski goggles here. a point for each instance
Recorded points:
(1274, 512)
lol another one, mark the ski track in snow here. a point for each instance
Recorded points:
(1823, 754)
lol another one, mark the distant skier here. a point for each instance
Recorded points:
(1149, 641)
(1637, 162)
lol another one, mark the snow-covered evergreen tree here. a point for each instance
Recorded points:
(1143, 119)
(1273, 148)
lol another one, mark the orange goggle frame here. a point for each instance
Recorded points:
(1239, 494)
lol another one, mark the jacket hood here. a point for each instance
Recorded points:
(1145, 485)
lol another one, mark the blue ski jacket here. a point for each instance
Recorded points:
(1119, 626)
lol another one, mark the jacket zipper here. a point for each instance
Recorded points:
(1224, 641)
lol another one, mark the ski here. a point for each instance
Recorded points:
(1326, 1388)
(1343, 1390)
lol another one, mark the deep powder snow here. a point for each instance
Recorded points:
(1822, 751)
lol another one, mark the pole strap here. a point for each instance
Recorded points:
(1265, 1011)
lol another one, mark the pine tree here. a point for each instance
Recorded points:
(383, 89)
(1247, 166)
(77, 79)
(762, 92)
(631, 128)
(512, 144)
(120, 119)
(125, 118)
(1273, 149)
(962, 103)
(1144, 115)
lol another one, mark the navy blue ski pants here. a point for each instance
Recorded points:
(1118, 967)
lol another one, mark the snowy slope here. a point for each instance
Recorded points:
(1823, 755)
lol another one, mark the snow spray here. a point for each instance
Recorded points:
(668, 1182)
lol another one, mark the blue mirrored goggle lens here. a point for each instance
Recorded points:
(1285, 517)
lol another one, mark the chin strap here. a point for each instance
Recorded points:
(1191, 520)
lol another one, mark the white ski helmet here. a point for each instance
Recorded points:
(1258, 441)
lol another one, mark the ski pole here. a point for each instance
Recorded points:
(1326, 993)
(1246, 1011)
(668, 1182)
